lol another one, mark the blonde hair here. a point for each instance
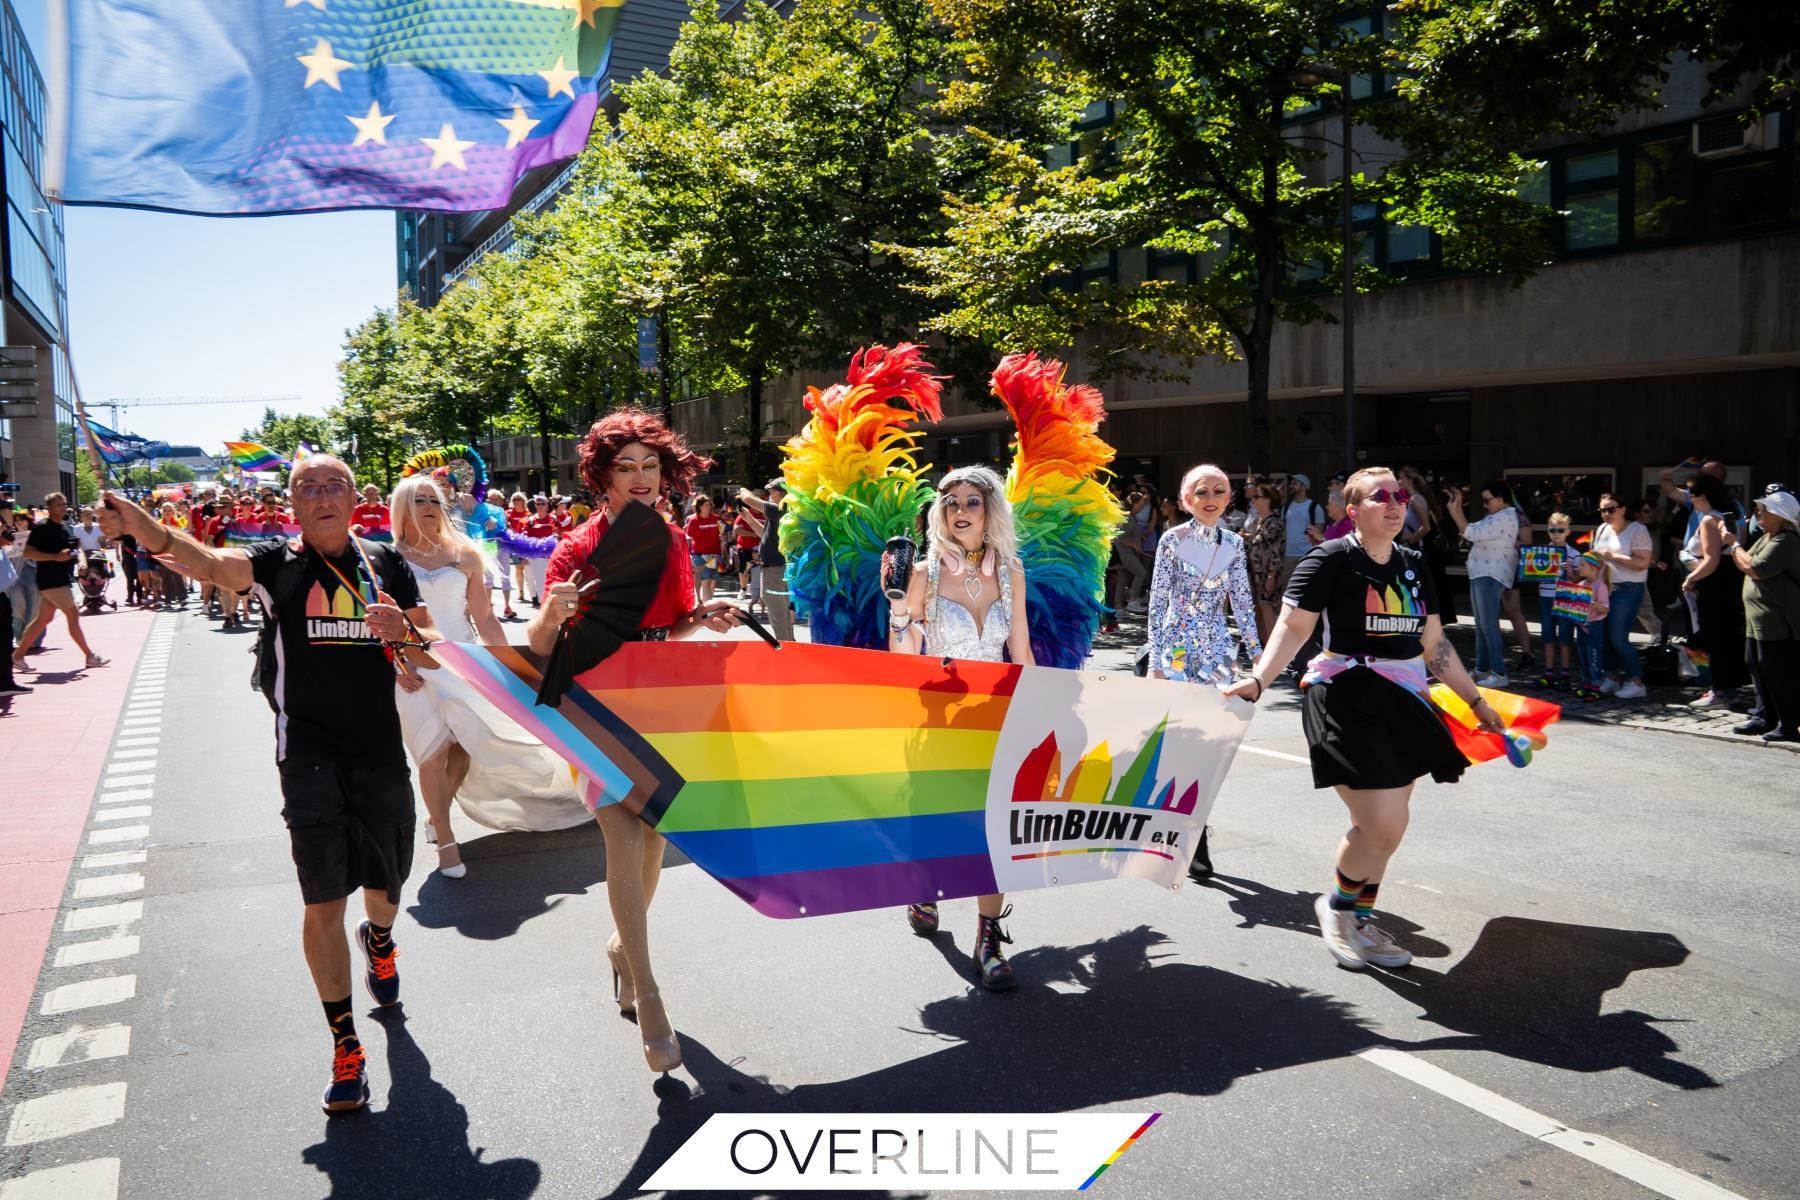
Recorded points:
(999, 535)
(1354, 487)
(1560, 516)
(1193, 476)
(406, 524)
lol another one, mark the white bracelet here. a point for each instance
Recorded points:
(901, 625)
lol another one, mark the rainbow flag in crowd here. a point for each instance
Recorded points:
(823, 779)
(254, 456)
(254, 106)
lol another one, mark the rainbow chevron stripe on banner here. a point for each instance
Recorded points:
(823, 779)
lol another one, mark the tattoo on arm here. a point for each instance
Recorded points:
(1442, 657)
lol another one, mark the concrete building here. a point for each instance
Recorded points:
(1667, 327)
(36, 452)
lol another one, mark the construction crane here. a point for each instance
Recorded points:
(119, 404)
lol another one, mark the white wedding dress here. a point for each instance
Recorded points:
(514, 782)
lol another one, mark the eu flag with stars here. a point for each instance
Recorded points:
(274, 106)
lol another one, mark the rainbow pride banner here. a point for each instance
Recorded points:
(821, 779)
(248, 533)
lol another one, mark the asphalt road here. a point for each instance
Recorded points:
(1606, 939)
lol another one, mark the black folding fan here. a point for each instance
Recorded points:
(629, 564)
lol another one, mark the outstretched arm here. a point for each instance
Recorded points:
(230, 569)
(1291, 632)
(1441, 658)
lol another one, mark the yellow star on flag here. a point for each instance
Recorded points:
(518, 126)
(446, 149)
(584, 10)
(372, 128)
(323, 66)
(559, 78)
(318, 4)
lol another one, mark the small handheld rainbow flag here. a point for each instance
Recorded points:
(254, 456)
(1526, 720)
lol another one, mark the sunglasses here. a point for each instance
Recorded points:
(1558, 528)
(1383, 496)
(1608, 508)
(428, 501)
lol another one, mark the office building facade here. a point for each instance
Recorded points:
(37, 452)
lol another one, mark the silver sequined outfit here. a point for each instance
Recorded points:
(950, 627)
(1189, 639)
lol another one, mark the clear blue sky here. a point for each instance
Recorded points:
(163, 305)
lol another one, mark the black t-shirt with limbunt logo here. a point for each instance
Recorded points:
(334, 685)
(1371, 609)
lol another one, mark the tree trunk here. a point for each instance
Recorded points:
(543, 424)
(1257, 345)
(662, 371)
(754, 457)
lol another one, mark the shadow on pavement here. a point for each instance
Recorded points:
(417, 1147)
(1527, 989)
(513, 877)
(1131, 1028)
(1532, 990)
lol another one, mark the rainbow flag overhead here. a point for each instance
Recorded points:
(821, 779)
(265, 106)
(254, 456)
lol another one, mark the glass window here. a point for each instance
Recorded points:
(1585, 167)
(1740, 196)
(1534, 185)
(1593, 220)
(1408, 243)
(1663, 174)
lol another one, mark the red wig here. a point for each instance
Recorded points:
(616, 430)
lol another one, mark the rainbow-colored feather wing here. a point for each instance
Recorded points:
(1065, 517)
(852, 484)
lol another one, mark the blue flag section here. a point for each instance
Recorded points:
(116, 448)
(273, 106)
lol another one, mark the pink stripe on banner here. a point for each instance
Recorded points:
(479, 668)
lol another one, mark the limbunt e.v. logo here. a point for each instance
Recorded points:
(1087, 812)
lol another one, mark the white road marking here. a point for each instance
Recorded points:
(141, 764)
(113, 781)
(91, 993)
(1281, 754)
(127, 796)
(146, 740)
(59, 1114)
(118, 858)
(95, 1179)
(140, 724)
(94, 887)
(131, 812)
(1605, 1153)
(103, 916)
(124, 833)
(76, 1044)
(79, 954)
(138, 753)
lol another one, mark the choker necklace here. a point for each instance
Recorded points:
(1208, 580)
(1372, 558)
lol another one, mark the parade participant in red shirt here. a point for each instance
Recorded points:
(703, 531)
(540, 523)
(632, 457)
(371, 516)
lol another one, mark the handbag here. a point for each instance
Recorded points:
(1661, 664)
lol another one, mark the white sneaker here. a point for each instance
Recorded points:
(1608, 686)
(1339, 930)
(1137, 606)
(1377, 947)
(1712, 700)
(1630, 691)
(1493, 679)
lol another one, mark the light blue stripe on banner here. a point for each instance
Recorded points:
(551, 726)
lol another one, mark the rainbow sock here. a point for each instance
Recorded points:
(1365, 901)
(1345, 892)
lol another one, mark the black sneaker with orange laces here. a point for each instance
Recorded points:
(349, 1086)
(383, 977)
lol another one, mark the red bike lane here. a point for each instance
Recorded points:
(52, 746)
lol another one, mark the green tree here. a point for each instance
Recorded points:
(371, 419)
(773, 160)
(283, 432)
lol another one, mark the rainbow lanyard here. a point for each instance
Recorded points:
(364, 567)
(354, 589)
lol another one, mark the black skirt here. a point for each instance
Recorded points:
(1365, 731)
